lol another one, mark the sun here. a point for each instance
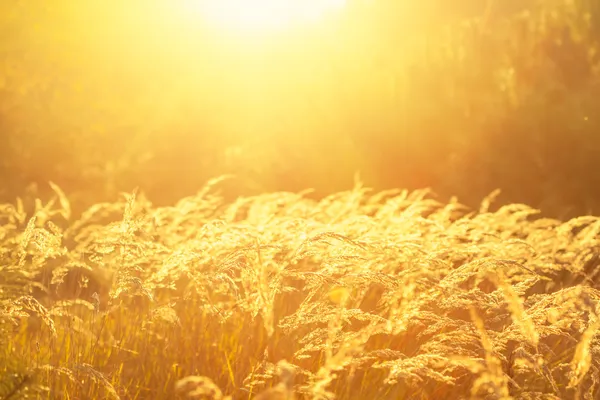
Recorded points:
(261, 16)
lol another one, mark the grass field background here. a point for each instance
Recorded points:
(469, 270)
(463, 99)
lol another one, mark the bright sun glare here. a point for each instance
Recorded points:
(261, 16)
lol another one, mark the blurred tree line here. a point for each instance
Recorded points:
(100, 98)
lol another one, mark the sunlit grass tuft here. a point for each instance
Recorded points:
(358, 296)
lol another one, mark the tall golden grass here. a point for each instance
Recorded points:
(361, 295)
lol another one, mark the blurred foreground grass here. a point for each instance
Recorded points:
(362, 295)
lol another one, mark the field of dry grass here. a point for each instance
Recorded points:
(360, 295)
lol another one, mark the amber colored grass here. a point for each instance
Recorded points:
(361, 295)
